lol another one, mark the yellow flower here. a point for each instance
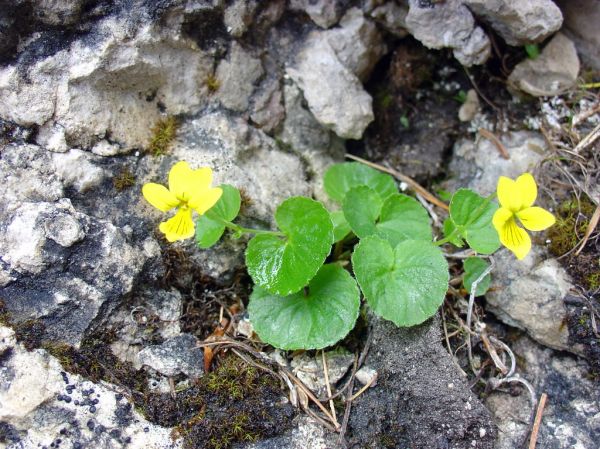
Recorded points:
(516, 200)
(188, 189)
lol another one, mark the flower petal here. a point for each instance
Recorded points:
(159, 196)
(508, 194)
(501, 216)
(515, 239)
(186, 183)
(179, 227)
(205, 200)
(536, 218)
(527, 189)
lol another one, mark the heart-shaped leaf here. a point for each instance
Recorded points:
(283, 265)
(472, 216)
(340, 178)
(474, 267)
(314, 319)
(398, 218)
(341, 228)
(405, 284)
(209, 227)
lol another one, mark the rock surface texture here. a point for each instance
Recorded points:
(553, 72)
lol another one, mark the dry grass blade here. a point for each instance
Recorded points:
(588, 140)
(590, 229)
(408, 180)
(328, 385)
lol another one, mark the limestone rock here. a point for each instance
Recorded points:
(324, 13)
(237, 76)
(477, 165)
(334, 94)
(114, 85)
(238, 16)
(572, 412)
(310, 369)
(267, 108)
(57, 12)
(519, 22)
(41, 404)
(529, 295)
(581, 18)
(554, 71)
(392, 17)
(470, 107)
(448, 24)
(357, 43)
(174, 356)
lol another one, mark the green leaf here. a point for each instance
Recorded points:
(472, 215)
(532, 50)
(449, 231)
(405, 284)
(341, 228)
(313, 320)
(285, 265)
(340, 178)
(398, 218)
(209, 227)
(474, 267)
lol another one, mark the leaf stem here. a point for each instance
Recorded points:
(242, 230)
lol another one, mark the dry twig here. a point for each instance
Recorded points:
(538, 421)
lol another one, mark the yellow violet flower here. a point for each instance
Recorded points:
(188, 190)
(516, 200)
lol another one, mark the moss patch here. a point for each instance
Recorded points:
(123, 180)
(235, 403)
(572, 219)
(163, 134)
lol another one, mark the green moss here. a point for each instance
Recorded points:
(163, 134)
(4, 315)
(593, 279)
(213, 83)
(225, 407)
(124, 179)
(572, 219)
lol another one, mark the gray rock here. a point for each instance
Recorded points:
(305, 434)
(267, 108)
(237, 76)
(529, 295)
(238, 16)
(357, 43)
(477, 164)
(448, 24)
(176, 355)
(581, 18)
(76, 169)
(32, 392)
(572, 412)
(57, 12)
(519, 22)
(114, 85)
(309, 369)
(421, 400)
(554, 71)
(470, 107)
(334, 94)
(324, 13)
(392, 17)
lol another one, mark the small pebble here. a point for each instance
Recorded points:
(92, 409)
(146, 429)
(100, 428)
(91, 424)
